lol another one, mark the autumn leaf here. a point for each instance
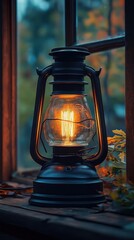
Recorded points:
(110, 140)
(14, 190)
(122, 156)
(103, 171)
(114, 195)
(119, 132)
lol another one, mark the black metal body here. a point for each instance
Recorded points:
(68, 70)
(73, 185)
(66, 179)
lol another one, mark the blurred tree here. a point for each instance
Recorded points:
(101, 19)
(40, 29)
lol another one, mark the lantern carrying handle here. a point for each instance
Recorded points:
(100, 156)
(36, 127)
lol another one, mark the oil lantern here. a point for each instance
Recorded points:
(69, 177)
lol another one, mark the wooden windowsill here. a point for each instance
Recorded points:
(20, 220)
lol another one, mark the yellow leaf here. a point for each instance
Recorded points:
(122, 156)
(110, 140)
(123, 145)
(119, 132)
(114, 195)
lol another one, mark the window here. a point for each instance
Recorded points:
(37, 38)
(8, 123)
(8, 71)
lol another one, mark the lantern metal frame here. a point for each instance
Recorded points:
(68, 180)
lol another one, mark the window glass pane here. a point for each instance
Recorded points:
(100, 19)
(112, 80)
(38, 32)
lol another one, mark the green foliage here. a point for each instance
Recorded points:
(120, 190)
(123, 197)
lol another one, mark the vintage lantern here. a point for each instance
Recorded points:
(68, 178)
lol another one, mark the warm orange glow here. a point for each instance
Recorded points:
(67, 125)
(68, 121)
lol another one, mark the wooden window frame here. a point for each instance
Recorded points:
(129, 86)
(8, 90)
(8, 101)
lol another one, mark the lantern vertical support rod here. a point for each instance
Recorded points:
(70, 22)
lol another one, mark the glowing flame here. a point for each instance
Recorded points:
(67, 125)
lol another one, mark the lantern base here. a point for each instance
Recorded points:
(67, 186)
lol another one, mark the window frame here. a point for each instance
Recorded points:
(8, 100)
(129, 87)
(8, 89)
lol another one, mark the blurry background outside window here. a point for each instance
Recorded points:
(40, 26)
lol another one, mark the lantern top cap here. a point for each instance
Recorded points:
(76, 51)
